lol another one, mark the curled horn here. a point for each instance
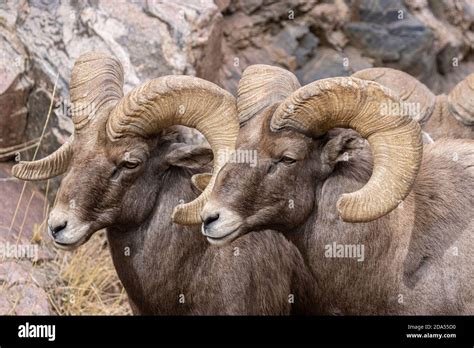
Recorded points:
(408, 89)
(395, 139)
(261, 86)
(96, 82)
(48, 167)
(180, 100)
(461, 101)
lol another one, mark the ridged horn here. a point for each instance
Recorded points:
(53, 165)
(395, 139)
(414, 94)
(180, 100)
(461, 101)
(261, 86)
(96, 81)
(201, 180)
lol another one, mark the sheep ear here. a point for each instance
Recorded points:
(201, 180)
(341, 147)
(189, 156)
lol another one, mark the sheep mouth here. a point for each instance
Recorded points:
(69, 245)
(73, 245)
(225, 239)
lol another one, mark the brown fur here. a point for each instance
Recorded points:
(410, 265)
(160, 262)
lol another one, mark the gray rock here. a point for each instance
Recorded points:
(28, 299)
(21, 272)
(15, 86)
(382, 12)
(386, 31)
(307, 46)
(330, 63)
(325, 63)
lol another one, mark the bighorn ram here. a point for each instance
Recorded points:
(384, 229)
(126, 170)
(450, 116)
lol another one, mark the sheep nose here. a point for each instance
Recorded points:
(209, 219)
(57, 228)
(57, 222)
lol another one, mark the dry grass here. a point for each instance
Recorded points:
(86, 282)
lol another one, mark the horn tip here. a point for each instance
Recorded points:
(182, 216)
(347, 211)
(17, 171)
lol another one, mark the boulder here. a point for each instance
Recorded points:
(15, 86)
(265, 32)
(328, 62)
(452, 23)
(386, 31)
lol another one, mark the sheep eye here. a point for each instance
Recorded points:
(131, 164)
(126, 164)
(287, 160)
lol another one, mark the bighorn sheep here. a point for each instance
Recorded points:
(409, 219)
(126, 170)
(450, 116)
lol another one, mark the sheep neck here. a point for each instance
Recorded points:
(157, 259)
